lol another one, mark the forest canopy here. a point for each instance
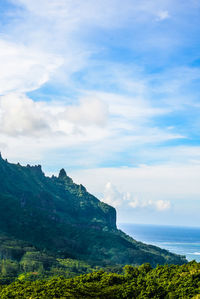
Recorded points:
(134, 282)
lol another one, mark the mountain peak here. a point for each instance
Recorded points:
(62, 174)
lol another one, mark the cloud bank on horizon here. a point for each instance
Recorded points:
(109, 90)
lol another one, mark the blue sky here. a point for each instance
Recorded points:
(110, 91)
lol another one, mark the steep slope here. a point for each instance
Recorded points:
(60, 216)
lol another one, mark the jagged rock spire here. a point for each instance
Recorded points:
(62, 173)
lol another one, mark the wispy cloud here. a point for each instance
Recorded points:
(24, 68)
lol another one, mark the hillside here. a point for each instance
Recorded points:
(55, 215)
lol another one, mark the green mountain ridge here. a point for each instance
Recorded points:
(56, 216)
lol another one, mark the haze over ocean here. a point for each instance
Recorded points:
(180, 240)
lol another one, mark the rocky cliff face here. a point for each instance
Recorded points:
(58, 215)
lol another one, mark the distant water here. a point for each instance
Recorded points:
(180, 240)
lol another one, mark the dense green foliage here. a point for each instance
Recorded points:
(61, 219)
(136, 282)
(19, 259)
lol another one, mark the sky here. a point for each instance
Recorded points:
(109, 90)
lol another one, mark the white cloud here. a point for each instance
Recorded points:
(163, 15)
(159, 205)
(33, 129)
(115, 198)
(134, 203)
(162, 205)
(24, 68)
(89, 111)
(155, 182)
(95, 130)
(112, 196)
(20, 115)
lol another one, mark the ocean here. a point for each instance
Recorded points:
(180, 240)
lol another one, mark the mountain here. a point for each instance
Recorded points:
(55, 215)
